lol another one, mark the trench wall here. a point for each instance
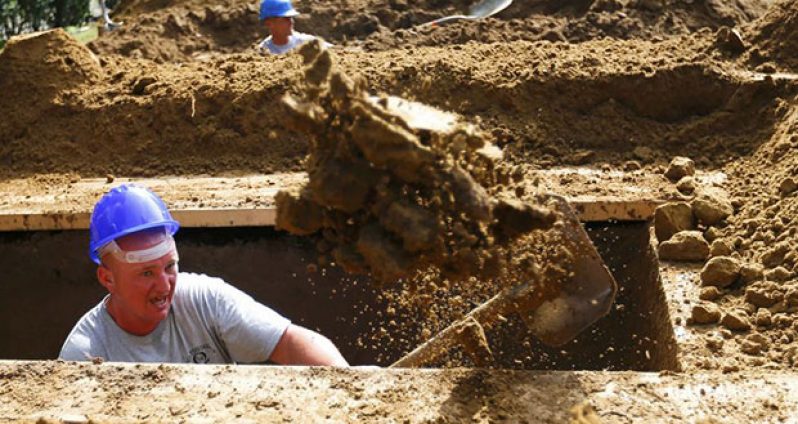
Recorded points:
(49, 282)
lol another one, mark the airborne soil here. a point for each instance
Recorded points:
(605, 84)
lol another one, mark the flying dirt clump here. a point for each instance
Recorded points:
(390, 198)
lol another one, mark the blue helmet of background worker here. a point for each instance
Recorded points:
(277, 9)
(278, 16)
(124, 210)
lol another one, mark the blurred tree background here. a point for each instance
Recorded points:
(21, 16)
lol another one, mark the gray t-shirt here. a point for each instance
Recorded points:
(210, 321)
(295, 40)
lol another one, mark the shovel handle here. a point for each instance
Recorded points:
(446, 19)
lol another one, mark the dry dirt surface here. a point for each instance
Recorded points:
(611, 85)
(57, 392)
(185, 30)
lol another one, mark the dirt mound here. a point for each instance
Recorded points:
(775, 37)
(759, 305)
(393, 199)
(144, 119)
(544, 104)
(176, 31)
(185, 32)
(36, 69)
(565, 21)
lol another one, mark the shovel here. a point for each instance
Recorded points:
(479, 10)
(554, 315)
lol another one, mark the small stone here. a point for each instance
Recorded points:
(686, 185)
(709, 293)
(714, 344)
(778, 274)
(705, 313)
(775, 256)
(684, 246)
(763, 317)
(735, 321)
(729, 368)
(787, 186)
(730, 39)
(760, 297)
(679, 168)
(720, 247)
(632, 165)
(750, 348)
(712, 233)
(720, 271)
(781, 320)
(791, 297)
(672, 218)
(109, 178)
(711, 207)
(751, 272)
(748, 308)
(758, 338)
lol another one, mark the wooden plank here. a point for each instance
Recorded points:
(65, 203)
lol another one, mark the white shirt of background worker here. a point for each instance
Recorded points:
(148, 317)
(278, 16)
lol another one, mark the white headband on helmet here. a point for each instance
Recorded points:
(139, 256)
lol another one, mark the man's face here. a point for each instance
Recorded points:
(279, 26)
(141, 293)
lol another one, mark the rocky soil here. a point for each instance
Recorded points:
(613, 85)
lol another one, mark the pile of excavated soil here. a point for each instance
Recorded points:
(140, 118)
(760, 299)
(36, 69)
(775, 38)
(187, 30)
(560, 21)
(544, 104)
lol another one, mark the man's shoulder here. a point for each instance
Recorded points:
(81, 343)
(191, 282)
(198, 289)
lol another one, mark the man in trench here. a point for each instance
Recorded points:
(278, 16)
(148, 317)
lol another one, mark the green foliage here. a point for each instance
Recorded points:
(20, 16)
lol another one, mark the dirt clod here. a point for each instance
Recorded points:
(686, 185)
(711, 207)
(687, 246)
(735, 321)
(680, 167)
(672, 218)
(705, 313)
(720, 247)
(720, 271)
(709, 293)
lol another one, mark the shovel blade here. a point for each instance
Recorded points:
(486, 8)
(585, 293)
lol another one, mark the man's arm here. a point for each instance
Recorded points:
(300, 346)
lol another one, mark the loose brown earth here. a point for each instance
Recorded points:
(612, 85)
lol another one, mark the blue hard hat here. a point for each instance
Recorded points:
(277, 9)
(124, 210)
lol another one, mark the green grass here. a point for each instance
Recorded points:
(83, 34)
